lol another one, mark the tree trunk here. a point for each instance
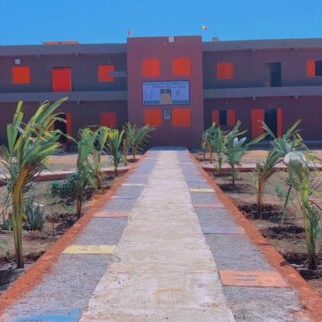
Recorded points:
(233, 175)
(260, 196)
(219, 164)
(311, 254)
(79, 205)
(17, 207)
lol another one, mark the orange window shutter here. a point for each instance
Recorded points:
(181, 117)
(153, 117)
(21, 75)
(231, 118)
(229, 71)
(279, 122)
(225, 71)
(310, 68)
(257, 118)
(105, 73)
(151, 68)
(108, 119)
(181, 67)
(61, 80)
(215, 117)
(220, 71)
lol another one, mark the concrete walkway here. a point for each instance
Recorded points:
(166, 270)
(163, 249)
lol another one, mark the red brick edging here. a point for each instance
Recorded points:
(45, 263)
(310, 299)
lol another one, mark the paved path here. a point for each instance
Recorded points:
(177, 240)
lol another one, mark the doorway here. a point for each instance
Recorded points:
(270, 118)
(62, 126)
(274, 75)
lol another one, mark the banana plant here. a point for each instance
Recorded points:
(29, 145)
(305, 187)
(114, 145)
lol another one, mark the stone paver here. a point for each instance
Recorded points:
(173, 237)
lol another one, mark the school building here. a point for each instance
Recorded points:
(177, 84)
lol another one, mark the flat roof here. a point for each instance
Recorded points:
(305, 43)
(72, 49)
(215, 45)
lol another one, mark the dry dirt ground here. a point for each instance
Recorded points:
(59, 214)
(289, 237)
(254, 156)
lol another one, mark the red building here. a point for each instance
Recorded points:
(178, 84)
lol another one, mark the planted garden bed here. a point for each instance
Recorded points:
(59, 215)
(287, 237)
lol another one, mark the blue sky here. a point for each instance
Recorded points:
(103, 21)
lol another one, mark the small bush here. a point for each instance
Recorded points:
(34, 216)
(66, 188)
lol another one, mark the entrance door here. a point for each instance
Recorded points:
(274, 75)
(62, 126)
(271, 120)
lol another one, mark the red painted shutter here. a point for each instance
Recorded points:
(61, 80)
(215, 117)
(231, 118)
(310, 68)
(181, 117)
(279, 122)
(153, 117)
(21, 75)
(257, 118)
(108, 119)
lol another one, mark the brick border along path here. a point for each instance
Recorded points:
(178, 240)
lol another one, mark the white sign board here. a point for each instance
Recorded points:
(166, 93)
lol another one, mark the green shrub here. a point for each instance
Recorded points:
(65, 188)
(34, 216)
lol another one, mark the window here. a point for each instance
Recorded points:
(225, 71)
(61, 79)
(314, 68)
(153, 117)
(108, 119)
(105, 73)
(21, 75)
(318, 68)
(274, 75)
(150, 68)
(181, 67)
(181, 117)
(223, 117)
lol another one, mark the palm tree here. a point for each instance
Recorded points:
(100, 138)
(85, 169)
(114, 144)
(305, 187)
(216, 141)
(236, 148)
(29, 145)
(137, 137)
